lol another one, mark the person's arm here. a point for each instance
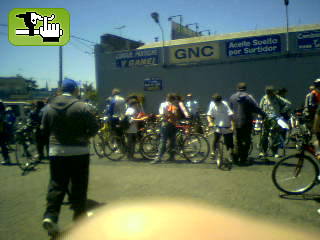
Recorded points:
(316, 123)
(231, 116)
(255, 106)
(210, 117)
(92, 122)
(45, 125)
(184, 110)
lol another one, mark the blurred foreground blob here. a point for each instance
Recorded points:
(178, 220)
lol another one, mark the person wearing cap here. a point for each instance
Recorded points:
(115, 111)
(68, 123)
(244, 107)
(274, 106)
(220, 116)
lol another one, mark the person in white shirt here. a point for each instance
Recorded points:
(192, 105)
(193, 108)
(220, 115)
(132, 114)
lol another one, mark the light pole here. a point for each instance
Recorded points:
(208, 31)
(286, 3)
(196, 24)
(60, 67)
(155, 17)
(180, 18)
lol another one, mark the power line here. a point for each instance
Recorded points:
(80, 49)
(80, 38)
(84, 44)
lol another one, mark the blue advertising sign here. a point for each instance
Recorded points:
(137, 58)
(152, 84)
(308, 40)
(254, 45)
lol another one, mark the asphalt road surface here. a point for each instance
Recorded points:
(246, 189)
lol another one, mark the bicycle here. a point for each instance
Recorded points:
(276, 124)
(25, 147)
(191, 146)
(223, 162)
(106, 143)
(297, 173)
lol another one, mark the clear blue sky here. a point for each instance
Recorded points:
(92, 18)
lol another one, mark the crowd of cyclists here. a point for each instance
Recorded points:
(233, 119)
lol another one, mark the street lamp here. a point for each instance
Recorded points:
(155, 17)
(209, 33)
(196, 24)
(180, 18)
(286, 3)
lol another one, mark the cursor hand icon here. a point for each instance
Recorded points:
(50, 32)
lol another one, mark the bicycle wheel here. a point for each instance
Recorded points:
(99, 145)
(195, 148)
(26, 154)
(220, 154)
(295, 174)
(149, 146)
(115, 149)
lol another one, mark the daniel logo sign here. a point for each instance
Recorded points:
(39, 26)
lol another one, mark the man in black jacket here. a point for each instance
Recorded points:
(68, 123)
(244, 106)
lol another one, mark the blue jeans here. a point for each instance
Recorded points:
(167, 132)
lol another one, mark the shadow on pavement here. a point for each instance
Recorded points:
(315, 197)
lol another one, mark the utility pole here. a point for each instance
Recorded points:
(155, 17)
(60, 67)
(286, 3)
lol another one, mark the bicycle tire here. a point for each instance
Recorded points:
(99, 145)
(195, 148)
(117, 152)
(220, 154)
(283, 174)
(149, 146)
(25, 155)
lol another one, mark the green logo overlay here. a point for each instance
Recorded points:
(39, 26)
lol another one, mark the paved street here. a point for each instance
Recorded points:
(245, 189)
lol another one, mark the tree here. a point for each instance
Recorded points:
(31, 85)
(89, 92)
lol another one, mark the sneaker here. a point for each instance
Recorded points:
(50, 226)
